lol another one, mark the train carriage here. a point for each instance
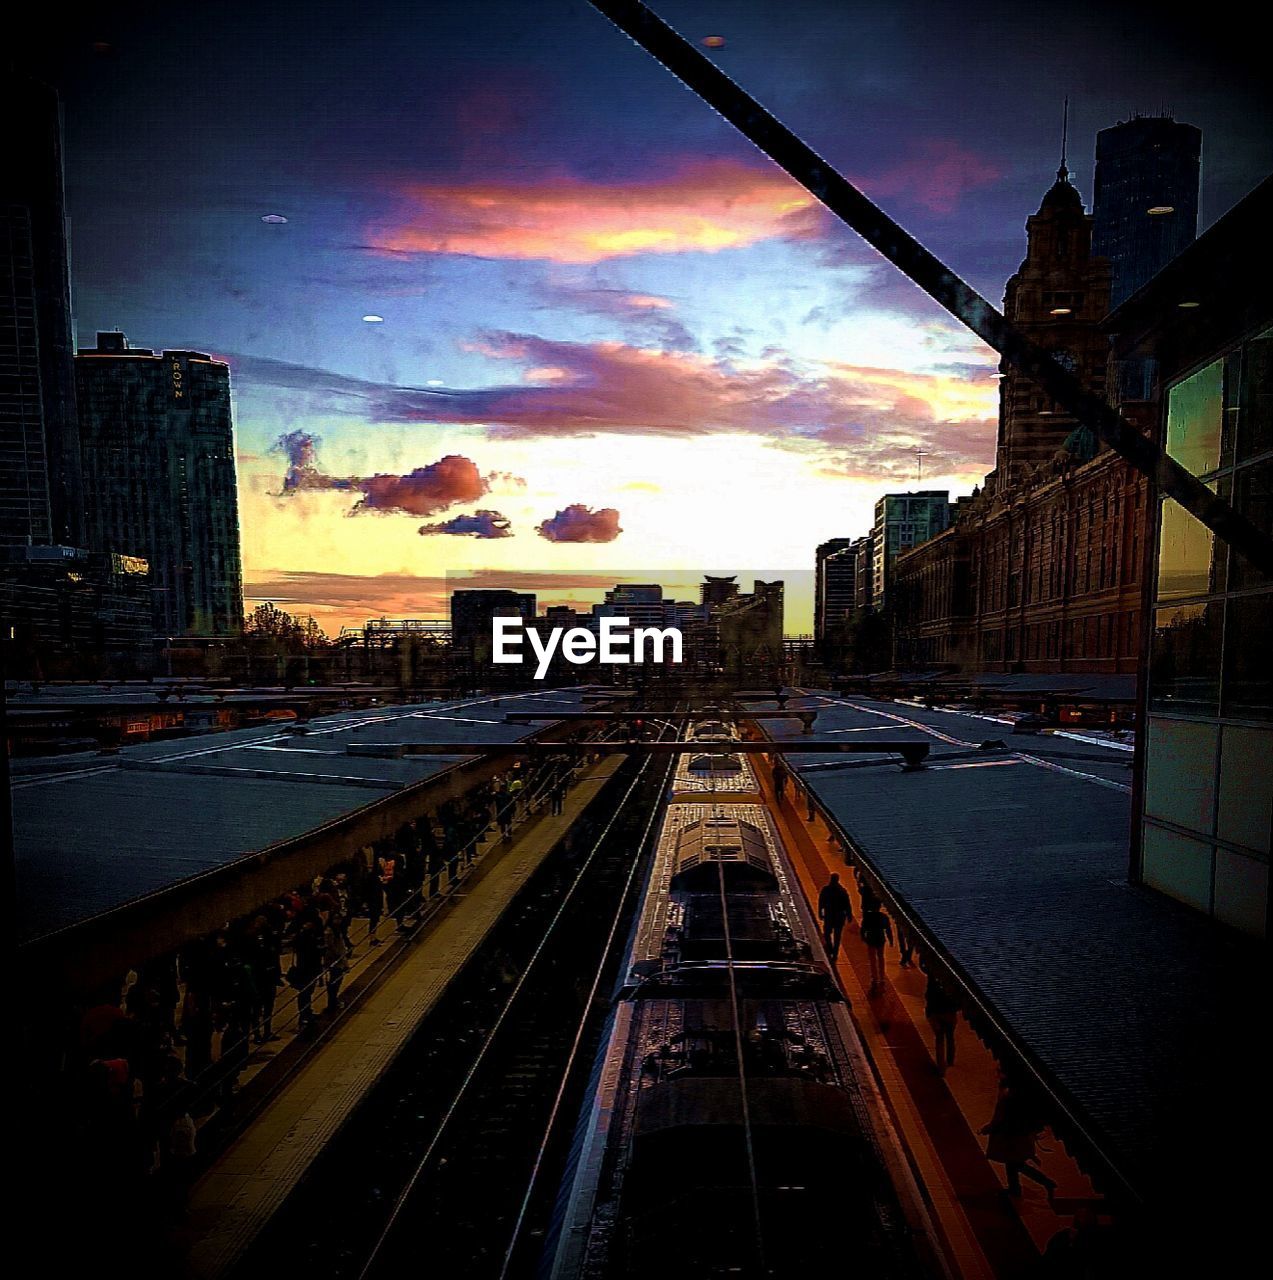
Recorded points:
(734, 1127)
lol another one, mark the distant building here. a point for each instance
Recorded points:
(641, 603)
(863, 572)
(750, 631)
(70, 613)
(41, 490)
(1203, 795)
(717, 590)
(903, 521)
(1145, 198)
(834, 581)
(471, 614)
(562, 615)
(157, 444)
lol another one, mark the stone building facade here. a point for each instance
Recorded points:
(1043, 568)
(1043, 576)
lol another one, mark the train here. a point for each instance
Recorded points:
(733, 1125)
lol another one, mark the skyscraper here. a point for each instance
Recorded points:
(821, 582)
(66, 611)
(1145, 199)
(834, 585)
(157, 446)
(40, 484)
(902, 521)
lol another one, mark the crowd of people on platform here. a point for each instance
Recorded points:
(162, 1051)
(1083, 1248)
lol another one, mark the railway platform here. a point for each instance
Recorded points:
(250, 1180)
(1007, 856)
(988, 1236)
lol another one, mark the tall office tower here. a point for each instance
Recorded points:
(828, 588)
(41, 497)
(157, 446)
(1145, 199)
(1058, 297)
(903, 521)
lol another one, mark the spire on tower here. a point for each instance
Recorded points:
(1063, 174)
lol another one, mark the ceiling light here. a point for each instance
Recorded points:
(1188, 305)
(1062, 311)
(373, 319)
(274, 219)
(1158, 210)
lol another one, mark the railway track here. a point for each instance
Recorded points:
(453, 1156)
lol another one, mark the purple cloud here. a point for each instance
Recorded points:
(422, 492)
(481, 524)
(579, 523)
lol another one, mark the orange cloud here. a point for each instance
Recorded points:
(853, 412)
(705, 207)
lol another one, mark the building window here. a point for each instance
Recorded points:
(1255, 426)
(1184, 664)
(1253, 497)
(1195, 420)
(1187, 562)
(1248, 691)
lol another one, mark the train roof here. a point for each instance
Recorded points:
(723, 840)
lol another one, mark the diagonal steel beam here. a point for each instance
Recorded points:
(906, 253)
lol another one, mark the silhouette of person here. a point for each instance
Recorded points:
(876, 930)
(942, 1013)
(781, 774)
(1013, 1131)
(834, 910)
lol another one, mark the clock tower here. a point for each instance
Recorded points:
(1058, 297)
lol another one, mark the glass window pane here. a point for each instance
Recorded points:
(1229, 422)
(1248, 676)
(1187, 563)
(1184, 665)
(1178, 865)
(1180, 772)
(1255, 430)
(1253, 497)
(1195, 410)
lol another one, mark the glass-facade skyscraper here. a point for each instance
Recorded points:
(40, 486)
(1145, 201)
(903, 521)
(157, 447)
(67, 608)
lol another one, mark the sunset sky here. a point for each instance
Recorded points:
(612, 337)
